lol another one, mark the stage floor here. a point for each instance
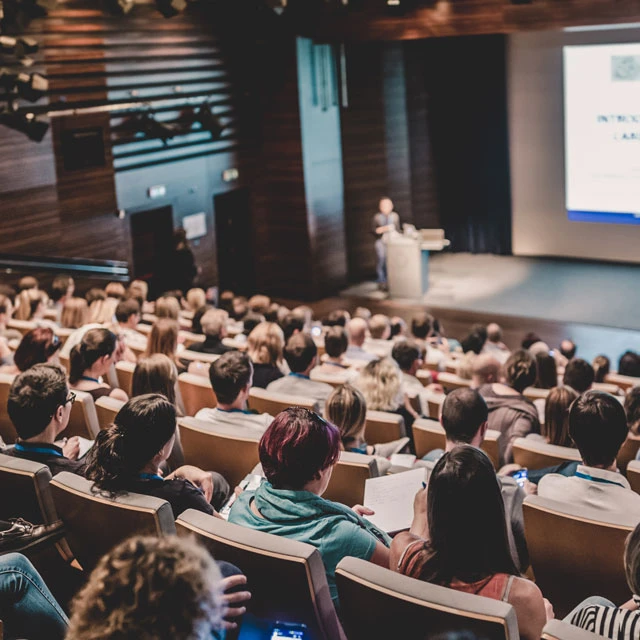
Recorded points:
(596, 304)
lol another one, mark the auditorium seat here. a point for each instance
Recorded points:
(627, 453)
(559, 630)
(533, 393)
(424, 375)
(144, 329)
(83, 420)
(196, 356)
(624, 382)
(608, 387)
(633, 475)
(379, 603)
(576, 552)
(106, 409)
(7, 432)
(348, 478)
(435, 406)
(451, 381)
(532, 453)
(189, 338)
(287, 578)
(23, 326)
(264, 401)
(429, 435)
(334, 381)
(95, 523)
(124, 373)
(196, 393)
(382, 426)
(218, 448)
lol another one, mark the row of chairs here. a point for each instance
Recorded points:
(287, 578)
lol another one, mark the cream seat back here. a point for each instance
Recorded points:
(535, 454)
(382, 426)
(348, 478)
(196, 393)
(106, 410)
(83, 420)
(124, 373)
(264, 401)
(7, 431)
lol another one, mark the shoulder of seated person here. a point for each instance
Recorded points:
(523, 590)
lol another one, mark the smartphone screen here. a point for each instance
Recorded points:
(289, 630)
(521, 476)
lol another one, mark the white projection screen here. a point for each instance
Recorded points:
(575, 188)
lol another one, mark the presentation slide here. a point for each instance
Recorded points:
(602, 132)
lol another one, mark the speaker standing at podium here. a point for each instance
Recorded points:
(385, 221)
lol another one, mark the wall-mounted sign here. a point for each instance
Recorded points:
(195, 225)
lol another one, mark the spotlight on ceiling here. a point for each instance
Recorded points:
(209, 121)
(31, 87)
(26, 123)
(119, 7)
(152, 128)
(171, 8)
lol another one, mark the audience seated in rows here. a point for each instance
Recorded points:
(579, 375)
(510, 412)
(494, 345)
(214, 327)
(629, 364)
(568, 349)
(301, 355)
(485, 369)
(74, 313)
(601, 368)
(336, 343)
(265, 346)
(555, 429)
(128, 456)
(357, 332)
(231, 378)
(167, 307)
(196, 304)
(458, 539)
(128, 316)
(164, 339)
(547, 370)
(378, 343)
(422, 328)
(6, 313)
(298, 452)
(36, 347)
(62, 289)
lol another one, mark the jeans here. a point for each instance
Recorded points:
(27, 607)
(381, 261)
(593, 600)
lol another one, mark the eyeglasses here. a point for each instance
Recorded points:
(71, 399)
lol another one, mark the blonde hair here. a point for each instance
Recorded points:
(259, 304)
(213, 322)
(163, 338)
(139, 289)
(167, 307)
(380, 383)
(378, 326)
(155, 374)
(466, 365)
(150, 587)
(102, 311)
(266, 343)
(346, 407)
(115, 290)
(75, 312)
(196, 299)
(27, 303)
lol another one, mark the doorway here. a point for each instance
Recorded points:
(152, 243)
(236, 269)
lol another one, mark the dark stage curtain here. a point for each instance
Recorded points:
(467, 118)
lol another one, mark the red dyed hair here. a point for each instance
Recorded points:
(296, 447)
(36, 347)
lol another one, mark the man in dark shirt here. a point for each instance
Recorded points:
(214, 327)
(39, 406)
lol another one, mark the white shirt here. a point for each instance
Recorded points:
(606, 491)
(358, 353)
(379, 348)
(254, 424)
(296, 385)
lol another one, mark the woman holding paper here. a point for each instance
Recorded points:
(298, 452)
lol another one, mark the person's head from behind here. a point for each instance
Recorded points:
(380, 382)
(556, 416)
(174, 583)
(357, 331)
(115, 290)
(485, 369)
(520, 370)
(39, 398)
(141, 438)
(380, 327)
(298, 451)
(601, 368)
(468, 538)
(94, 353)
(422, 325)
(398, 327)
(259, 304)
(155, 374)
(231, 377)
(598, 426)
(529, 339)
(408, 355)
(475, 340)
(464, 417)
(494, 333)
(6, 309)
(30, 304)
(167, 307)
(62, 287)
(568, 349)
(547, 370)
(629, 364)
(163, 338)
(337, 317)
(291, 324)
(27, 282)
(214, 323)
(632, 410)
(632, 561)
(101, 311)
(138, 289)
(578, 375)
(301, 353)
(94, 294)
(346, 408)
(251, 321)
(75, 313)
(385, 205)
(37, 347)
(196, 299)
(362, 312)
(265, 344)
(336, 342)
(128, 313)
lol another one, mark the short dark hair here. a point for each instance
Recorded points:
(578, 375)
(337, 318)
(520, 370)
(291, 323)
(300, 352)
(629, 364)
(59, 287)
(569, 353)
(336, 341)
(34, 397)
(547, 370)
(530, 339)
(632, 409)
(474, 341)
(405, 353)
(127, 308)
(421, 325)
(229, 374)
(598, 426)
(463, 413)
(296, 447)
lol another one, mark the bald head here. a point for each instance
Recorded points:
(494, 332)
(485, 370)
(357, 330)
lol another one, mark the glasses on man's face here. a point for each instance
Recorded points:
(71, 399)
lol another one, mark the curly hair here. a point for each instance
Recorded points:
(150, 588)
(381, 382)
(520, 370)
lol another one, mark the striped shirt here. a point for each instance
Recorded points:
(610, 622)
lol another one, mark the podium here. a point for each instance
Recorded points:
(408, 261)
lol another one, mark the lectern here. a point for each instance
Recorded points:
(408, 261)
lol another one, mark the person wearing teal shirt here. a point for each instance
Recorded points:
(298, 452)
